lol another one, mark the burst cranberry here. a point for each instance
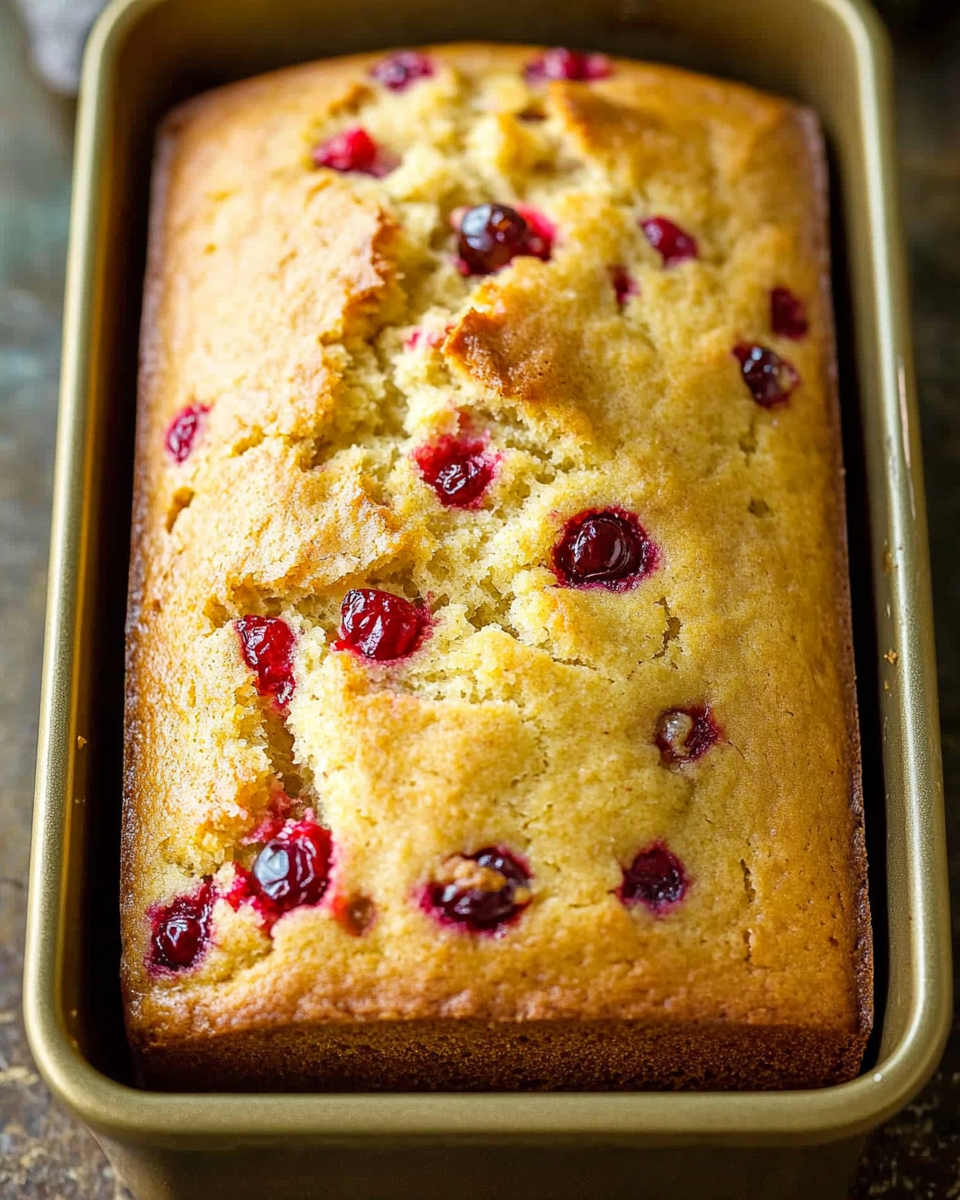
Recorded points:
(379, 625)
(655, 878)
(293, 868)
(606, 548)
(183, 429)
(683, 734)
(267, 647)
(575, 65)
(181, 929)
(492, 235)
(624, 285)
(354, 914)
(398, 71)
(458, 469)
(672, 243)
(424, 337)
(788, 317)
(770, 378)
(482, 892)
(355, 150)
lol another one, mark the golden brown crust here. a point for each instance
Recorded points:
(280, 298)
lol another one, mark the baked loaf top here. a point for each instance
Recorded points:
(595, 754)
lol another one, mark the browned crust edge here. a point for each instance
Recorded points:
(820, 229)
(459, 1055)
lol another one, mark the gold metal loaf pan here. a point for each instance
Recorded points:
(145, 55)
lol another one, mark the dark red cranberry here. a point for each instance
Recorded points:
(354, 914)
(399, 70)
(379, 625)
(560, 63)
(355, 150)
(788, 317)
(458, 469)
(624, 285)
(293, 868)
(492, 235)
(606, 548)
(183, 429)
(672, 243)
(267, 647)
(655, 878)
(683, 734)
(770, 378)
(181, 929)
(482, 892)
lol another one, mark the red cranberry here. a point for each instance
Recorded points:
(267, 647)
(355, 150)
(492, 235)
(683, 734)
(788, 317)
(671, 242)
(183, 429)
(575, 65)
(272, 820)
(482, 892)
(458, 469)
(424, 337)
(379, 625)
(398, 71)
(354, 914)
(770, 378)
(606, 548)
(655, 878)
(624, 285)
(181, 929)
(293, 868)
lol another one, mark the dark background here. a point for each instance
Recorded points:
(44, 1154)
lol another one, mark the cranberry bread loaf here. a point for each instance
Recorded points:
(490, 706)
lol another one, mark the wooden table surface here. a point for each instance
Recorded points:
(45, 1155)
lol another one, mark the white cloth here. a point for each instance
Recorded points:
(58, 30)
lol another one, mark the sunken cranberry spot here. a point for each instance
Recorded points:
(293, 868)
(181, 929)
(574, 65)
(624, 285)
(183, 429)
(655, 878)
(493, 235)
(482, 892)
(267, 647)
(606, 548)
(355, 914)
(458, 469)
(398, 71)
(683, 734)
(355, 150)
(380, 625)
(770, 378)
(672, 243)
(788, 316)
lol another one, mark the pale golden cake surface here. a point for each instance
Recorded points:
(280, 299)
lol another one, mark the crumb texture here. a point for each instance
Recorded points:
(613, 560)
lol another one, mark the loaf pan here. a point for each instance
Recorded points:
(145, 55)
